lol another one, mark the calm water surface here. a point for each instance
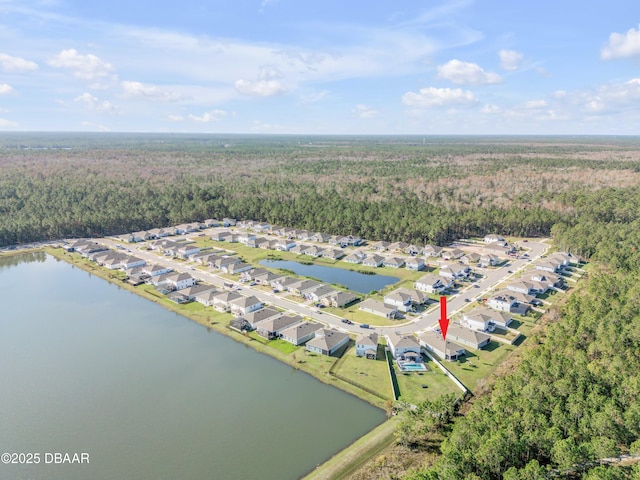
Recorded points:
(88, 367)
(356, 281)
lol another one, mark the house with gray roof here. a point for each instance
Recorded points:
(298, 334)
(222, 301)
(244, 305)
(339, 299)
(430, 283)
(467, 337)
(485, 319)
(180, 280)
(321, 292)
(380, 246)
(393, 262)
(236, 268)
(194, 290)
(327, 342)
(400, 345)
(262, 315)
(355, 257)
(414, 263)
(303, 286)
(373, 261)
(432, 251)
(367, 345)
(272, 327)
(378, 308)
(206, 298)
(433, 343)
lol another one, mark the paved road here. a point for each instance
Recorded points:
(428, 320)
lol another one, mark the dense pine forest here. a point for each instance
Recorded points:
(573, 396)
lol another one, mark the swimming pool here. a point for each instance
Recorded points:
(412, 367)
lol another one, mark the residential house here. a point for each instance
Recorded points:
(265, 278)
(334, 240)
(380, 246)
(313, 251)
(453, 254)
(303, 286)
(240, 324)
(446, 350)
(399, 300)
(467, 337)
(304, 235)
(454, 271)
(485, 320)
(413, 250)
(523, 287)
(199, 289)
(320, 237)
(393, 262)
(185, 250)
(397, 247)
(333, 253)
(223, 236)
(236, 268)
(378, 308)
(430, 283)
(367, 345)
(339, 299)
(222, 262)
(549, 266)
(488, 260)
(350, 241)
(222, 301)
(262, 315)
(153, 270)
(180, 280)
(300, 333)
(400, 345)
(132, 262)
(470, 258)
(373, 261)
(299, 249)
(273, 327)
(284, 283)
(211, 222)
(432, 251)
(228, 222)
(518, 297)
(207, 298)
(414, 263)
(355, 257)
(247, 238)
(284, 245)
(503, 303)
(327, 342)
(244, 305)
(321, 292)
(262, 227)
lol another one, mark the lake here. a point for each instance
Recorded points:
(86, 366)
(356, 281)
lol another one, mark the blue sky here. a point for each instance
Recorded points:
(347, 67)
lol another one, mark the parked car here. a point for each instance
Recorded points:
(364, 325)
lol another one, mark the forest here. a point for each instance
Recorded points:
(572, 397)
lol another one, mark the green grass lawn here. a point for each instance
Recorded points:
(479, 364)
(372, 374)
(437, 383)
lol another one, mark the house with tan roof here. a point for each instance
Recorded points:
(467, 337)
(378, 308)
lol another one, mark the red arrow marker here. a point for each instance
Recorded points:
(444, 321)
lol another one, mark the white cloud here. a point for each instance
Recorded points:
(7, 123)
(175, 118)
(261, 88)
(314, 96)
(439, 97)
(84, 67)
(16, 64)
(536, 104)
(207, 117)
(612, 98)
(489, 108)
(6, 89)
(151, 93)
(93, 103)
(363, 111)
(510, 59)
(465, 73)
(622, 45)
